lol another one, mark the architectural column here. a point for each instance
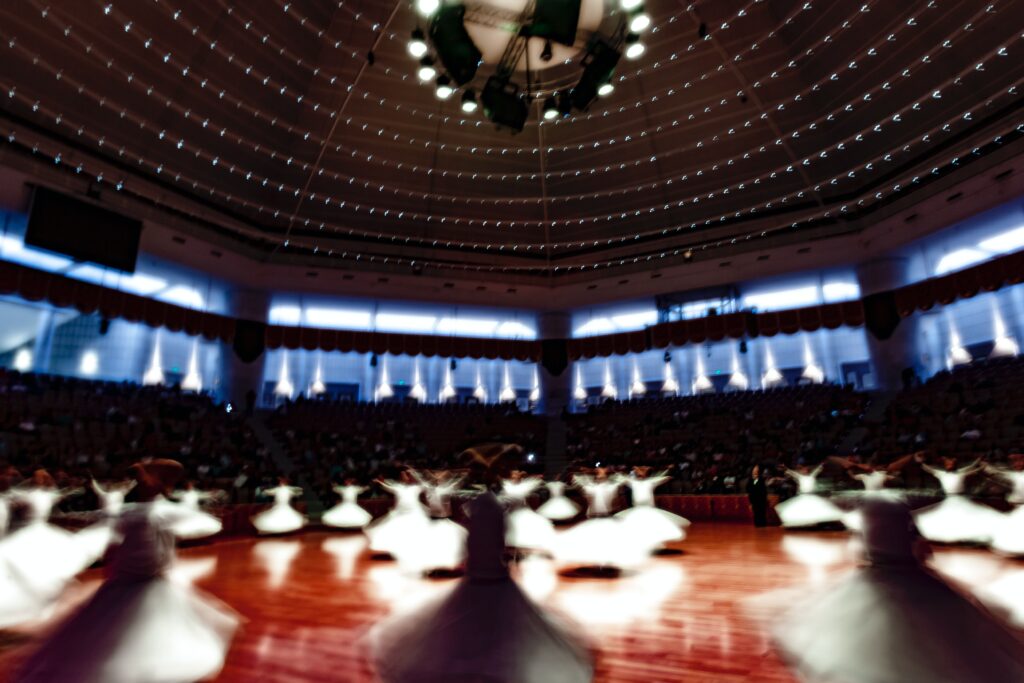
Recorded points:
(240, 378)
(555, 391)
(892, 358)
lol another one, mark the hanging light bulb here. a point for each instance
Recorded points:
(605, 89)
(23, 360)
(550, 108)
(958, 355)
(634, 48)
(671, 385)
(317, 387)
(154, 373)
(738, 380)
(427, 7)
(444, 88)
(384, 389)
(1004, 346)
(637, 388)
(284, 386)
(418, 43)
(507, 394)
(427, 71)
(639, 20)
(579, 393)
(193, 381)
(417, 392)
(701, 383)
(479, 391)
(469, 103)
(609, 390)
(771, 375)
(448, 390)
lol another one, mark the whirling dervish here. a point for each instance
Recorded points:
(96, 538)
(199, 523)
(807, 508)
(438, 488)
(526, 529)
(558, 507)
(1008, 537)
(347, 514)
(485, 629)
(893, 620)
(874, 479)
(406, 519)
(956, 518)
(39, 559)
(140, 626)
(602, 541)
(419, 544)
(281, 518)
(644, 519)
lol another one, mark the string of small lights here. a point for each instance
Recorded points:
(38, 144)
(474, 176)
(508, 201)
(886, 159)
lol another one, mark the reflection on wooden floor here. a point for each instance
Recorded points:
(310, 599)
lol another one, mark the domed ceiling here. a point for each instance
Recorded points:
(301, 128)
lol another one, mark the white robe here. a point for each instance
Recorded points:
(140, 626)
(347, 514)
(807, 508)
(956, 518)
(645, 520)
(281, 518)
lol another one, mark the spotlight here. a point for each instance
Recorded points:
(634, 48)
(418, 44)
(668, 356)
(504, 104)
(427, 71)
(605, 89)
(598, 66)
(546, 53)
(453, 44)
(427, 7)
(550, 108)
(640, 21)
(469, 103)
(444, 87)
(630, 4)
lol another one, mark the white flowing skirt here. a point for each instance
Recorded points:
(559, 509)
(528, 530)
(45, 557)
(654, 525)
(347, 516)
(148, 631)
(895, 625)
(807, 510)
(439, 545)
(601, 542)
(487, 632)
(957, 519)
(198, 524)
(397, 529)
(1008, 538)
(279, 519)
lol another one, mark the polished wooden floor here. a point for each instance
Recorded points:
(310, 599)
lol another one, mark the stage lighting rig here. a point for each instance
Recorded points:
(523, 53)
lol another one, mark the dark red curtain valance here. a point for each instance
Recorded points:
(64, 292)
